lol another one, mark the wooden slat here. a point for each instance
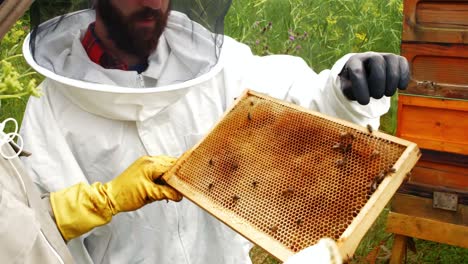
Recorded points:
(437, 174)
(427, 229)
(434, 124)
(445, 158)
(427, 191)
(422, 207)
(398, 249)
(435, 21)
(452, 15)
(437, 70)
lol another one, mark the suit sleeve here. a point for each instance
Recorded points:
(290, 78)
(52, 165)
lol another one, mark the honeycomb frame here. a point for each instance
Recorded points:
(319, 176)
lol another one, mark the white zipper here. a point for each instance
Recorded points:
(140, 81)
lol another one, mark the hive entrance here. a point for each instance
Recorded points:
(282, 174)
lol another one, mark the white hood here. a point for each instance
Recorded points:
(184, 58)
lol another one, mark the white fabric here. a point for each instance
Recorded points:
(19, 227)
(324, 252)
(27, 232)
(93, 128)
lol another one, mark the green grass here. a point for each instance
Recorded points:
(320, 31)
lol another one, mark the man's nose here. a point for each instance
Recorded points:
(154, 4)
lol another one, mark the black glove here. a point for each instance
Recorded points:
(372, 74)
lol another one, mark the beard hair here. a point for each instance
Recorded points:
(126, 36)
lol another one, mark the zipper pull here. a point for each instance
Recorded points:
(140, 81)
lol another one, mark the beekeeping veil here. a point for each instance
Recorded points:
(199, 24)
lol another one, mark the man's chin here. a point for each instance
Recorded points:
(144, 48)
(143, 32)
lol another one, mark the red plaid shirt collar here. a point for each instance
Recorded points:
(98, 54)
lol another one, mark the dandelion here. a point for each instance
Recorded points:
(331, 20)
(361, 36)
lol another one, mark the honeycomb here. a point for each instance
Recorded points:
(289, 174)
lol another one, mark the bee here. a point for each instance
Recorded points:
(299, 222)
(373, 186)
(369, 128)
(345, 135)
(235, 165)
(380, 177)
(249, 116)
(210, 162)
(392, 170)
(341, 162)
(252, 103)
(374, 154)
(254, 184)
(210, 186)
(348, 148)
(337, 146)
(288, 191)
(235, 198)
(273, 229)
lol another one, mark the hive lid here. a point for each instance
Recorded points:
(284, 176)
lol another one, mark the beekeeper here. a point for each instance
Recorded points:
(28, 233)
(134, 78)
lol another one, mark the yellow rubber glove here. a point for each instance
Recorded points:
(81, 207)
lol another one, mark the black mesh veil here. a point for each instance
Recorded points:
(50, 16)
(209, 13)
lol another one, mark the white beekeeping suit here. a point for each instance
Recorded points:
(92, 123)
(27, 232)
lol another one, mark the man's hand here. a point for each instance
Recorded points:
(81, 207)
(372, 74)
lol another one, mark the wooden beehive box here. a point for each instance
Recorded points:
(433, 112)
(284, 176)
(435, 21)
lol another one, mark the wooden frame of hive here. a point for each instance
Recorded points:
(219, 177)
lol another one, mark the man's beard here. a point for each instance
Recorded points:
(123, 32)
